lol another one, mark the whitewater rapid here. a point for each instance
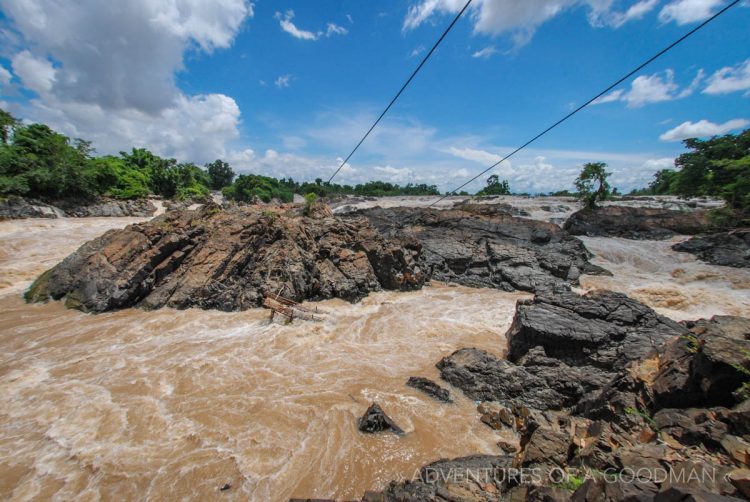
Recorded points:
(165, 405)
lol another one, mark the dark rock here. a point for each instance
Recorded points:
(227, 260)
(470, 479)
(690, 494)
(600, 490)
(375, 420)
(430, 388)
(636, 222)
(545, 446)
(704, 367)
(496, 415)
(601, 329)
(225, 487)
(482, 245)
(484, 377)
(691, 426)
(730, 249)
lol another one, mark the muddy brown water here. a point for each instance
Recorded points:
(169, 405)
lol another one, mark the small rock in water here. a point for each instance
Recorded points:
(226, 487)
(430, 388)
(375, 420)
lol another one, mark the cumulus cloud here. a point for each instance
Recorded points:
(688, 11)
(654, 88)
(94, 66)
(702, 129)
(730, 79)
(37, 74)
(634, 12)
(286, 23)
(520, 20)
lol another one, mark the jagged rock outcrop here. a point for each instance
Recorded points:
(20, 207)
(562, 347)
(636, 222)
(482, 245)
(672, 422)
(730, 249)
(227, 260)
(602, 329)
(376, 420)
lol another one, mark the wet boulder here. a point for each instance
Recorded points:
(430, 388)
(375, 420)
(729, 249)
(601, 329)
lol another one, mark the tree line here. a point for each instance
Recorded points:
(36, 161)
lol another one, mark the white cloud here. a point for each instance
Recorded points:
(194, 128)
(520, 19)
(417, 51)
(485, 53)
(634, 12)
(476, 155)
(283, 81)
(688, 11)
(5, 76)
(654, 88)
(334, 29)
(615, 95)
(651, 89)
(108, 74)
(730, 79)
(702, 129)
(37, 74)
(285, 21)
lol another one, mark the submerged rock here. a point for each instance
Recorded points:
(483, 245)
(430, 388)
(729, 249)
(636, 222)
(375, 420)
(227, 260)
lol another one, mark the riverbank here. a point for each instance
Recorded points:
(161, 404)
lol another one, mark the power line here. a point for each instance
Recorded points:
(605, 91)
(403, 87)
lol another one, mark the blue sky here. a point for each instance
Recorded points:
(286, 88)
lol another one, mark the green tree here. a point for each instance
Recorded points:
(591, 184)
(220, 173)
(495, 187)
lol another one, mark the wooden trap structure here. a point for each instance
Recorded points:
(277, 304)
